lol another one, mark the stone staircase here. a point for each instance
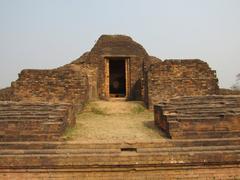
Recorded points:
(24, 121)
(29, 146)
(199, 117)
(182, 159)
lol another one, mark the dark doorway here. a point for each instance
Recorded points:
(117, 77)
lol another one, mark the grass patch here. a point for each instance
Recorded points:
(94, 108)
(138, 109)
(98, 111)
(68, 133)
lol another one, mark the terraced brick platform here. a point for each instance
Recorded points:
(165, 159)
(142, 153)
(199, 117)
(24, 121)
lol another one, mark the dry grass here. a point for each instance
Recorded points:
(115, 121)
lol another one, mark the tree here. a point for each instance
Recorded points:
(236, 86)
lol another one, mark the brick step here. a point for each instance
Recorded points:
(209, 98)
(199, 117)
(21, 121)
(121, 145)
(205, 134)
(30, 137)
(196, 117)
(35, 105)
(118, 160)
(230, 111)
(205, 110)
(196, 99)
(200, 108)
(37, 113)
(190, 149)
(32, 109)
(213, 126)
(30, 127)
(29, 133)
(196, 103)
(25, 121)
(29, 121)
(202, 114)
(185, 173)
(183, 118)
(173, 125)
(17, 113)
(31, 104)
(117, 150)
(33, 117)
(42, 128)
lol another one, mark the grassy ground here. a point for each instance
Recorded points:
(116, 121)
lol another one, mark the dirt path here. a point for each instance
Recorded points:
(116, 121)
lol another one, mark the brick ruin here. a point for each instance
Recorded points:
(58, 85)
(199, 117)
(202, 127)
(116, 67)
(143, 77)
(173, 78)
(31, 121)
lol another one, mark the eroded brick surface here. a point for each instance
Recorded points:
(6, 94)
(66, 84)
(200, 174)
(172, 78)
(183, 159)
(199, 117)
(21, 121)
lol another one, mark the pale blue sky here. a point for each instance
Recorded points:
(51, 33)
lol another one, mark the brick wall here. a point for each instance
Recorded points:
(6, 94)
(91, 72)
(65, 84)
(171, 78)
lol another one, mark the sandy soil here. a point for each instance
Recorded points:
(117, 121)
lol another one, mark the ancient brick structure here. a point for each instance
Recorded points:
(118, 48)
(117, 67)
(41, 104)
(6, 94)
(172, 78)
(199, 117)
(65, 84)
(174, 159)
(21, 121)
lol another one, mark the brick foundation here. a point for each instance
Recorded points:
(199, 117)
(22, 121)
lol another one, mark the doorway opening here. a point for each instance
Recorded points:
(117, 77)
